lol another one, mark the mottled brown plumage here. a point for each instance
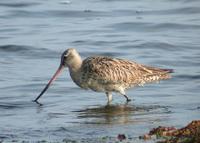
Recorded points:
(108, 70)
(106, 74)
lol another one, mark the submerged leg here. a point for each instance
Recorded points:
(124, 94)
(109, 96)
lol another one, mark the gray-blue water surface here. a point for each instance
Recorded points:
(34, 33)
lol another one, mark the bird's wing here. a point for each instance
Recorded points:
(111, 70)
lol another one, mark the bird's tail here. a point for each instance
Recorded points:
(165, 74)
(168, 70)
(156, 74)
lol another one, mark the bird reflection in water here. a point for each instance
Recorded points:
(110, 114)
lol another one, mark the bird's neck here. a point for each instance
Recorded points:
(74, 68)
(75, 63)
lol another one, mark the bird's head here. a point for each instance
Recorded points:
(69, 58)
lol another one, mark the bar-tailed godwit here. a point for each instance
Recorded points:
(106, 74)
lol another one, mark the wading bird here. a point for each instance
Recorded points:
(106, 74)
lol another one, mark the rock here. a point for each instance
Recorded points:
(121, 137)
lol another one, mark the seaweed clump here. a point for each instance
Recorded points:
(187, 134)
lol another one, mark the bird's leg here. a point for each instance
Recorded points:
(124, 94)
(109, 96)
(127, 98)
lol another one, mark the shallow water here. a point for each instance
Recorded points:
(33, 34)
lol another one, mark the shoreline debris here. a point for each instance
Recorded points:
(187, 134)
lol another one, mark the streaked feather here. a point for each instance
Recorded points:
(107, 71)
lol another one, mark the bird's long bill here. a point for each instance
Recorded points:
(59, 70)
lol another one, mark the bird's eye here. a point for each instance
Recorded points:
(66, 54)
(65, 57)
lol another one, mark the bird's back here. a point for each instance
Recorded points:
(112, 71)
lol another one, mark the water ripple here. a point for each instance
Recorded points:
(57, 13)
(17, 4)
(26, 51)
(173, 11)
(156, 46)
(182, 11)
(149, 27)
(15, 105)
(188, 77)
